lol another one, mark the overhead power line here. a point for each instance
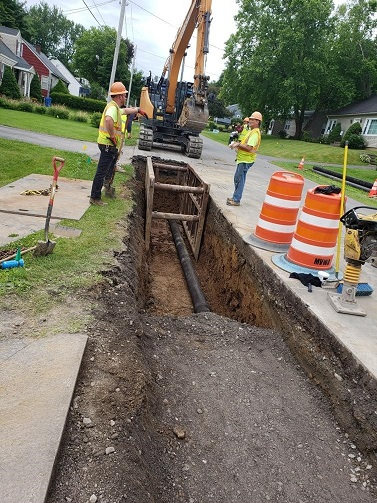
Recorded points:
(167, 22)
(91, 12)
(82, 9)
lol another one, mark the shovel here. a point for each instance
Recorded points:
(46, 247)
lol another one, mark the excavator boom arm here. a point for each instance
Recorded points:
(198, 15)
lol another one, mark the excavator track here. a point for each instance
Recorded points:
(194, 147)
(145, 139)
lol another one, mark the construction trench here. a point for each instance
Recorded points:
(253, 401)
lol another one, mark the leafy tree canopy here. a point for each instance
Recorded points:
(276, 57)
(93, 58)
(12, 14)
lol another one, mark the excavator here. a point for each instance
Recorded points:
(178, 111)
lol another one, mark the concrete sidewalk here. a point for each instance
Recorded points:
(37, 380)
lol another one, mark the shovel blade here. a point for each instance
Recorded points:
(44, 248)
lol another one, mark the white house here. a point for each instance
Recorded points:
(77, 87)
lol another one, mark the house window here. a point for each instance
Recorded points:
(370, 127)
(44, 82)
(356, 120)
(287, 126)
(330, 125)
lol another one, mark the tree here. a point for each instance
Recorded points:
(94, 54)
(12, 14)
(216, 105)
(354, 48)
(276, 57)
(60, 88)
(35, 88)
(56, 34)
(9, 86)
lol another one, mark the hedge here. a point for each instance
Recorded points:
(78, 103)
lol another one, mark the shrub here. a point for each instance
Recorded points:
(334, 135)
(58, 112)
(9, 86)
(354, 128)
(40, 109)
(306, 136)
(78, 103)
(35, 88)
(4, 103)
(79, 116)
(356, 141)
(324, 139)
(60, 88)
(25, 106)
(211, 125)
(283, 134)
(95, 119)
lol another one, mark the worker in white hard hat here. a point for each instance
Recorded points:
(109, 142)
(246, 155)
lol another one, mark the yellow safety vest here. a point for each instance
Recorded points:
(103, 134)
(242, 155)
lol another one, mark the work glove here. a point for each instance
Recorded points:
(144, 114)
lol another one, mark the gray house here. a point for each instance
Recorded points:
(364, 112)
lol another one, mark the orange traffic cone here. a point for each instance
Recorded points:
(373, 190)
(301, 165)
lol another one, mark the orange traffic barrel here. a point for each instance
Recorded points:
(314, 241)
(278, 216)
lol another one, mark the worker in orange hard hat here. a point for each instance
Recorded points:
(246, 148)
(245, 129)
(109, 141)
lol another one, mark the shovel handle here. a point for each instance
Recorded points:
(57, 168)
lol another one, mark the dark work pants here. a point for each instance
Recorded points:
(105, 169)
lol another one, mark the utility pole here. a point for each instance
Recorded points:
(132, 74)
(116, 52)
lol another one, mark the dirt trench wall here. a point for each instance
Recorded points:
(247, 289)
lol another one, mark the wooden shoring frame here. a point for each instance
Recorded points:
(194, 195)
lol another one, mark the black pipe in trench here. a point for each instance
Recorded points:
(197, 296)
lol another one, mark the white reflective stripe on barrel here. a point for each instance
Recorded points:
(269, 226)
(313, 250)
(282, 203)
(329, 223)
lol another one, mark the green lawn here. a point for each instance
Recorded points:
(75, 263)
(294, 149)
(58, 127)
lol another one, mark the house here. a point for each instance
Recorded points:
(314, 124)
(364, 112)
(11, 55)
(77, 86)
(235, 111)
(48, 73)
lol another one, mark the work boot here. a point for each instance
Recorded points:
(231, 202)
(97, 202)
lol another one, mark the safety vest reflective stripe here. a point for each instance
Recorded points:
(281, 203)
(307, 218)
(103, 134)
(313, 250)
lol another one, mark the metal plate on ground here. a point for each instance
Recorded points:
(63, 231)
(23, 215)
(71, 199)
